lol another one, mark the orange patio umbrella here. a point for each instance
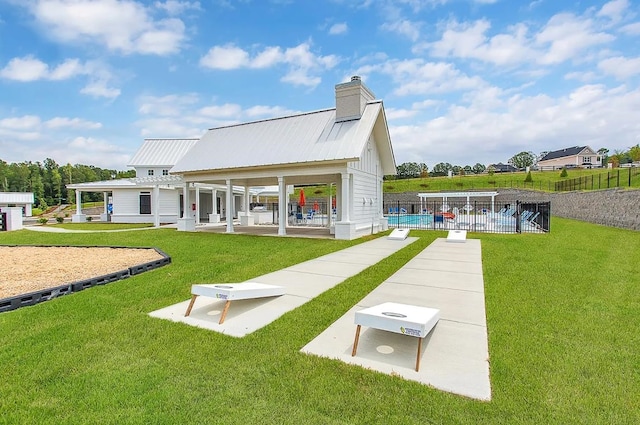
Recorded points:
(316, 207)
(301, 201)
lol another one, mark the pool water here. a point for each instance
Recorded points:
(410, 219)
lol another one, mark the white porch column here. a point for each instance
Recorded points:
(78, 202)
(185, 200)
(156, 205)
(214, 217)
(345, 229)
(197, 211)
(329, 206)
(186, 223)
(282, 207)
(229, 206)
(105, 213)
(346, 197)
(78, 217)
(246, 219)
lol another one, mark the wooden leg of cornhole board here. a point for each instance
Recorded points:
(355, 343)
(193, 300)
(224, 312)
(418, 358)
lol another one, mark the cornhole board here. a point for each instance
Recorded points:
(399, 234)
(404, 319)
(457, 236)
(233, 292)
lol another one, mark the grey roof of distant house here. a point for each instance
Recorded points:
(563, 152)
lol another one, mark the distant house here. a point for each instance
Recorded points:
(577, 156)
(502, 168)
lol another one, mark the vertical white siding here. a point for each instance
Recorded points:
(366, 184)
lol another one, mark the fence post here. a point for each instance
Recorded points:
(629, 176)
(618, 179)
(608, 179)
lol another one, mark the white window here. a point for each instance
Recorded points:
(165, 172)
(149, 172)
(586, 160)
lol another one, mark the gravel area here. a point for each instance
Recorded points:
(26, 269)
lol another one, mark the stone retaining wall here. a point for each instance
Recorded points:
(611, 207)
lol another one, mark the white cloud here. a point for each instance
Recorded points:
(481, 129)
(631, 29)
(25, 69)
(175, 7)
(620, 67)
(225, 57)
(75, 123)
(397, 114)
(614, 10)
(404, 27)
(28, 69)
(301, 62)
(123, 26)
(339, 28)
(226, 111)
(566, 36)
(24, 123)
(166, 106)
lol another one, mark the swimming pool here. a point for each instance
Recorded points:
(410, 219)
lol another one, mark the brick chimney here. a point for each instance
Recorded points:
(351, 98)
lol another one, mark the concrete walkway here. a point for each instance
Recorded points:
(455, 356)
(302, 282)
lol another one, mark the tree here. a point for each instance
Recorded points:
(528, 179)
(424, 170)
(522, 160)
(408, 170)
(467, 169)
(604, 156)
(441, 169)
(564, 173)
(634, 153)
(479, 168)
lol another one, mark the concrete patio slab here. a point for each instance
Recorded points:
(455, 356)
(302, 282)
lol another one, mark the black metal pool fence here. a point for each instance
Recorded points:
(474, 216)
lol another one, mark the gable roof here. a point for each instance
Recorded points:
(500, 167)
(563, 152)
(161, 152)
(297, 139)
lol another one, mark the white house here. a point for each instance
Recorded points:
(576, 156)
(348, 145)
(155, 196)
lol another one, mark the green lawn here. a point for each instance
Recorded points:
(562, 311)
(100, 225)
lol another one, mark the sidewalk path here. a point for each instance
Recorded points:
(302, 282)
(455, 357)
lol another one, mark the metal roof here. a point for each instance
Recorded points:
(563, 152)
(161, 152)
(16, 198)
(303, 138)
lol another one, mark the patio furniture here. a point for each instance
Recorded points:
(233, 292)
(399, 318)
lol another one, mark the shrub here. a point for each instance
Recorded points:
(424, 185)
(43, 220)
(89, 218)
(318, 191)
(564, 173)
(59, 219)
(389, 187)
(528, 179)
(459, 184)
(492, 182)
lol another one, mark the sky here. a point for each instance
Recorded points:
(462, 81)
